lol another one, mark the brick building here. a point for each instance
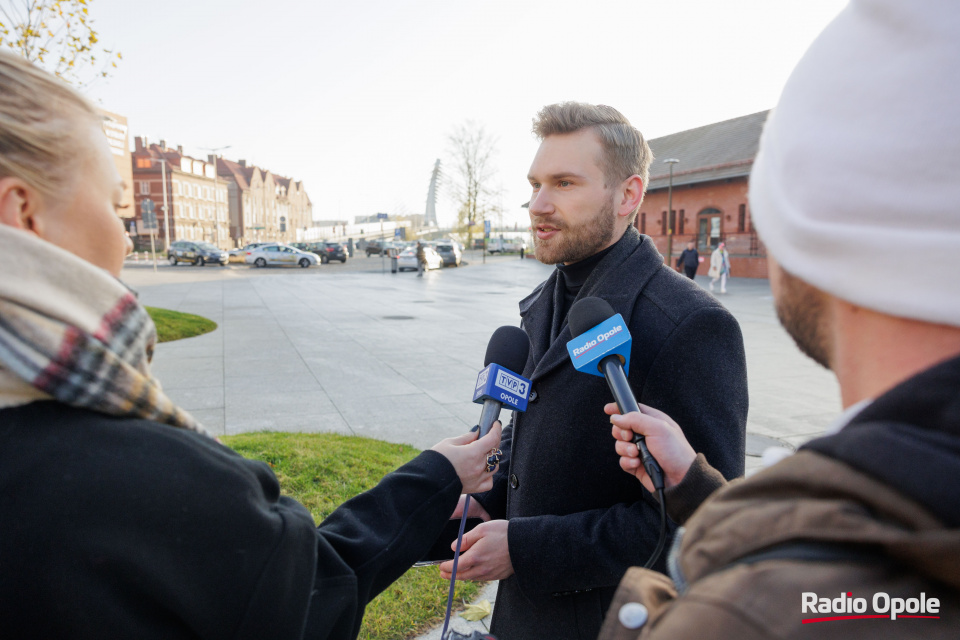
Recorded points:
(709, 193)
(264, 206)
(196, 198)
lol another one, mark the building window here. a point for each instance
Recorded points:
(643, 223)
(663, 223)
(681, 221)
(144, 188)
(742, 224)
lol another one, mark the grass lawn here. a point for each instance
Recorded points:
(173, 325)
(321, 471)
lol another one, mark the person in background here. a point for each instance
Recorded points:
(421, 259)
(689, 260)
(869, 512)
(120, 516)
(719, 267)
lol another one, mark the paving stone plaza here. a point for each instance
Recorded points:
(356, 349)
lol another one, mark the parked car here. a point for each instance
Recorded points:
(239, 255)
(198, 253)
(508, 245)
(332, 251)
(450, 253)
(408, 259)
(281, 254)
(376, 247)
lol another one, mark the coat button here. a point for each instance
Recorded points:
(533, 396)
(514, 483)
(633, 615)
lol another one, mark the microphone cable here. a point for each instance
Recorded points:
(453, 574)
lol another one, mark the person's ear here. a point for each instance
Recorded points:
(20, 205)
(632, 190)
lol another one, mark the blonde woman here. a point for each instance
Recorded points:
(120, 517)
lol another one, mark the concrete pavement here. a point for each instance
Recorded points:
(395, 357)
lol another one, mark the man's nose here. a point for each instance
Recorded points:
(540, 203)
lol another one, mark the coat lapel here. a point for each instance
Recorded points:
(618, 279)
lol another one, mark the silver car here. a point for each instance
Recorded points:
(281, 254)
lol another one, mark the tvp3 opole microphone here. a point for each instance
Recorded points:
(602, 348)
(498, 384)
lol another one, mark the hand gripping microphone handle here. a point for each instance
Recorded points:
(620, 388)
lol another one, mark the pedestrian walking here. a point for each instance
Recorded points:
(719, 267)
(421, 259)
(689, 260)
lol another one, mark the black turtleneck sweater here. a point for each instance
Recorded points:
(572, 277)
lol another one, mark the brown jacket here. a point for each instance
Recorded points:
(882, 495)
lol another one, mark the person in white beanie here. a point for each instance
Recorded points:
(858, 534)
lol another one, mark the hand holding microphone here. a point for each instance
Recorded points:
(470, 456)
(663, 437)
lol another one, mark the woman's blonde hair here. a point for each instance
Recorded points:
(39, 118)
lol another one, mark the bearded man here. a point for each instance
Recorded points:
(563, 523)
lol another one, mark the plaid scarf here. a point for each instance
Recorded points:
(72, 332)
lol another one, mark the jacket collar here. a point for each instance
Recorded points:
(618, 278)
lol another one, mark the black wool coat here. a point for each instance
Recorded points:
(577, 521)
(125, 528)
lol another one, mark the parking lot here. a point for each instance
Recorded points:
(355, 349)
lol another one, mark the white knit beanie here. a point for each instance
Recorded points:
(856, 188)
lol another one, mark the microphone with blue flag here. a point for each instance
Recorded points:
(602, 348)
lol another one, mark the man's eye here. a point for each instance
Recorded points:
(564, 183)
(535, 185)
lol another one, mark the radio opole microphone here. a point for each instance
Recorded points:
(499, 384)
(602, 348)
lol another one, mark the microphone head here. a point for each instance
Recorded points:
(509, 348)
(587, 313)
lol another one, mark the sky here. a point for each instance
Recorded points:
(358, 98)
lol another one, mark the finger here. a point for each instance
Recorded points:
(611, 409)
(621, 434)
(458, 512)
(464, 438)
(626, 449)
(654, 413)
(492, 439)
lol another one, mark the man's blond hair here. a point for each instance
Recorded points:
(625, 152)
(39, 120)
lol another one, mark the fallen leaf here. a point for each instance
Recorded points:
(477, 611)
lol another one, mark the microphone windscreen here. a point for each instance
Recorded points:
(587, 313)
(508, 347)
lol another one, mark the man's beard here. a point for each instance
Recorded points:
(579, 241)
(801, 309)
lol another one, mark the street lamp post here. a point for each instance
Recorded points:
(166, 219)
(671, 162)
(216, 201)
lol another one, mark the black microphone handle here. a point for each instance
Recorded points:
(489, 415)
(623, 395)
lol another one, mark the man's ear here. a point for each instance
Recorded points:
(632, 189)
(19, 205)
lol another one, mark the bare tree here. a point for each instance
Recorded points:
(57, 35)
(471, 151)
